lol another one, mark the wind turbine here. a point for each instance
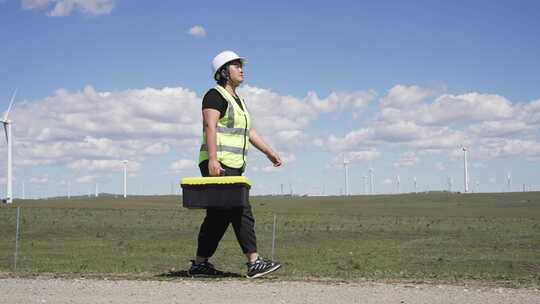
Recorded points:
(398, 182)
(345, 165)
(508, 181)
(125, 178)
(415, 185)
(371, 186)
(466, 174)
(364, 184)
(9, 140)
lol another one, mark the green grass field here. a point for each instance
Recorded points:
(434, 237)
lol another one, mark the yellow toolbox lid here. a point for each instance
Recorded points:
(215, 180)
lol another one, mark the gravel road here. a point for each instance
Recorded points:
(48, 290)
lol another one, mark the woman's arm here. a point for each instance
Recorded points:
(256, 140)
(210, 119)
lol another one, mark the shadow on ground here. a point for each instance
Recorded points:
(185, 274)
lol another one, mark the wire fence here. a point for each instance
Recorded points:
(156, 241)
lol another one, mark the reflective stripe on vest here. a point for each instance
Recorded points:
(230, 130)
(224, 149)
(232, 133)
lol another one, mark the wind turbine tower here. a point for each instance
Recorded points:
(415, 185)
(125, 178)
(398, 182)
(465, 172)
(97, 191)
(371, 186)
(69, 190)
(364, 184)
(508, 182)
(23, 191)
(9, 139)
(345, 165)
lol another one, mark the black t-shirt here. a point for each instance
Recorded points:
(213, 100)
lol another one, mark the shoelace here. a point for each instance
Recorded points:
(204, 264)
(259, 264)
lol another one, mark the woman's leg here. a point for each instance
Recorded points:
(244, 228)
(212, 230)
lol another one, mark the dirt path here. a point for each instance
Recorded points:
(46, 290)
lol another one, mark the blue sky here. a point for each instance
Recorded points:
(393, 85)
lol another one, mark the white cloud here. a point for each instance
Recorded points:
(67, 7)
(410, 104)
(401, 96)
(423, 138)
(530, 112)
(197, 31)
(399, 131)
(351, 141)
(281, 120)
(441, 138)
(341, 100)
(103, 165)
(39, 179)
(499, 128)
(407, 159)
(86, 179)
(503, 147)
(466, 107)
(354, 157)
(91, 125)
(157, 149)
(364, 155)
(91, 131)
(182, 164)
(274, 112)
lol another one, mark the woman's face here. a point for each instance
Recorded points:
(236, 72)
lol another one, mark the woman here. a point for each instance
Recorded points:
(227, 133)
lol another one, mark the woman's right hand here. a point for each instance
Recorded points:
(214, 168)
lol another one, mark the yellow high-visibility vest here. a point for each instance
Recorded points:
(232, 134)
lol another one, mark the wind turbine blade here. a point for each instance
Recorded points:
(10, 104)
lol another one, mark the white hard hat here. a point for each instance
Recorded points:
(224, 57)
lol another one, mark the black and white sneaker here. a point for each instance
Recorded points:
(261, 267)
(204, 269)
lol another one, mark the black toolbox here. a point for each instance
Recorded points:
(222, 192)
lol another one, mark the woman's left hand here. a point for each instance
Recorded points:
(274, 158)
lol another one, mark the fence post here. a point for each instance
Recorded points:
(274, 236)
(17, 236)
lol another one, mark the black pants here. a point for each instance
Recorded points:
(217, 221)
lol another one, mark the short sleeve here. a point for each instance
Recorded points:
(213, 100)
